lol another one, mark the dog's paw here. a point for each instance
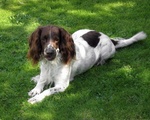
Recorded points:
(36, 99)
(34, 92)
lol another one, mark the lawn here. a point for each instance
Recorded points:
(118, 90)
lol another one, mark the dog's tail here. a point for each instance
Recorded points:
(121, 42)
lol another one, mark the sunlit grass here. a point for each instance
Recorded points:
(81, 13)
(110, 6)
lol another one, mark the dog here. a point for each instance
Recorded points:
(63, 56)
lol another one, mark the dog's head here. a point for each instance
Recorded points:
(48, 42)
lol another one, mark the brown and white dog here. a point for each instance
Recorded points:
(63, 56)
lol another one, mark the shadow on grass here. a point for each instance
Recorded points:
(120, 91)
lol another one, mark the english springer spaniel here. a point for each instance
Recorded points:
(63, 56)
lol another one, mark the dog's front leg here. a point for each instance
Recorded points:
(47, 92)
(61, 83)
(38, 88)
(41, 81)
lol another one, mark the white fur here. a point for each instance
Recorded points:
(86, 57)
(125, 42)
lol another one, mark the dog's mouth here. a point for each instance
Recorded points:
(50, 57)
(50, 53)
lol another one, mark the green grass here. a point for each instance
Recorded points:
(117, 90)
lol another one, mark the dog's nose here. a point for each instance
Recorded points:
(49, 51)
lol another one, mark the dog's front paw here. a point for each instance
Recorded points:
(34, 92)
(37, 98)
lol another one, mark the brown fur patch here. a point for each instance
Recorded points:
(59, 38)
(92, 38)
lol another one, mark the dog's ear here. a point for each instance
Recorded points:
(35, 47)
(66, 46)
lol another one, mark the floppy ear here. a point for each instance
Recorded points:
(35, 47)
(66, 46)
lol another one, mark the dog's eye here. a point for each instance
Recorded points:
(44, 39)
(56, 38)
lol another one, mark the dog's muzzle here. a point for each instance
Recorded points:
(50, 53)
